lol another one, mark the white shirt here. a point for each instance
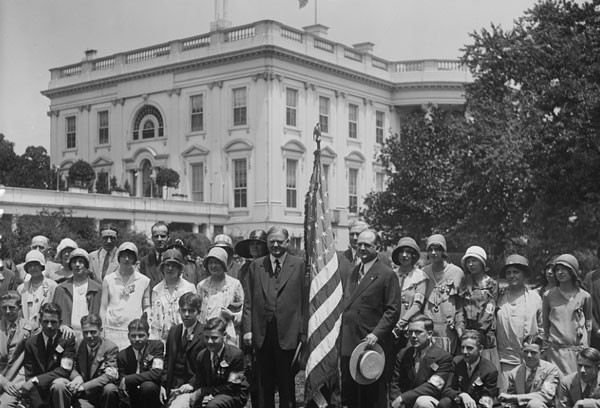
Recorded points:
(281, 261)
(80, 307)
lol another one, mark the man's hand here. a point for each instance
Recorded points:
(504, 397)
(123, 387)
(27, 387)
(248, 339)
(67, 332)
(207, 399)
(185, 389)
(397, 403)
(371, 340)
(75, 384)
(468, 402)
(162, 396)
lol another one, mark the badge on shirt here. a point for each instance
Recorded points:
(66, 363)
(59, 349)
(434, 366)
(478, 382)
(490, 308)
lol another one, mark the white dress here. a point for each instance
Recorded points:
(32, 300)
(165, 308)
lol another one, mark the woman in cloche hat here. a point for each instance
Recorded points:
(567, 311)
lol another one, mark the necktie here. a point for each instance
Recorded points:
(277, 268)
(529, 381)
(49, 352)
(105, 265)
(470, 369)
(184, 339)
(587, 391)
(91, 356)
(11, 332)
(215, 363)
(138, 356)
(361, 273)
(417, 361)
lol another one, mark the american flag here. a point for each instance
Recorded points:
(302, 3)
(325, 294)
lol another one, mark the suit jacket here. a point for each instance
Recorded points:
(288, 309)
(229, 378)
(8, 280)
(103, 369)
(434, 373)
(35, 359)
(192, 348)
(97, 261)
(373, 306)
(545, 384)
(482, 382)
(570, 392)
(150, 371)
(63, 296)
(12, 356)
(149, 267)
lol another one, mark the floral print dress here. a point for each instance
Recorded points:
(33, 299)
(165, 308)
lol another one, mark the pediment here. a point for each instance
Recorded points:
(102, 161)
(238, 145)
(195, 150)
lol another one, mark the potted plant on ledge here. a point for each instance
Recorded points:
(167, 178)
(81, 176)
(117, 190)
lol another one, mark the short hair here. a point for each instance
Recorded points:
(278, 228)
(92, 319)
(11, 295)
(138, 325)
(473, 335)
(377, 241)
(160, 224)
(51, 308)
(534, 339)
(191, 299)
(109, 226)
(216, 323)
(590, 353)
(424, 319)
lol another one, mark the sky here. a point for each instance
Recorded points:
(36, 35)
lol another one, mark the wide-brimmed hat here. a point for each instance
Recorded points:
(476, 252)
(127, 246)
(518, 261)
(79, 253)
(405, 242)
(437, 239)
(366, 365)
(35, 256)
(217, 253)
(173, 255)
(242, 248)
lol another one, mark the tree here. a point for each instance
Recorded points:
(167, 177)
(8, 159)
(81, 174)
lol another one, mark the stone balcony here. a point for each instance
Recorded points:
(309, 44)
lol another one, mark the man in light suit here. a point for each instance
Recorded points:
(13, 333)
(581, 388)
(104, 261)
(272, 319)
(533, 384)
(371, 308)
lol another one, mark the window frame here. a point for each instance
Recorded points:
(291, 189)
(240, 112)
(242, 190)
(194, 192)
(353, 190)
(324, 116)
(71, 134)
(195, 115)
(353, 121)
(291, 109)
(103, 128)
(379, 130)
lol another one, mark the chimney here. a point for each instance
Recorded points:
(316, 29)
(364, 47)
(90, 55)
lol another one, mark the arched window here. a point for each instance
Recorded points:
(148, 123)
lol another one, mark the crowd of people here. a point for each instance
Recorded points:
(110, 328)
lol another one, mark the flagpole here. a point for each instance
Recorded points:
(316, 12)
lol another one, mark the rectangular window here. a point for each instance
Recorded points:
(379, 123)
(71, 127)
(324, 114)
(291, 182)
(239, 107)
(240, 183)
(103, 127)
(353, 191)
(352, 121)
(379, 181)
(197, 113)
(291, 106)
(198, 182)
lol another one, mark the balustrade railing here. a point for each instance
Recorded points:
(196, 42)
(240, 33)
(353, 55)
(69, 71)
(290, 34)
(105, 63)
(148, 53)
(324, 45)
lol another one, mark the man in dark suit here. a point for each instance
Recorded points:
(474, 380)
(219, 381)
(48, 357)
(582, 388)
(184, 342)
(93, 378)
(371, 308)
(149, 264)
(141, 366)
(272, 318)
(592, 286)
(422, 370)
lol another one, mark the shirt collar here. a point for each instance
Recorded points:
(475, 364)
(219, 354)
(188, 330)
(368, 265)
(46, 338)
(281, 259)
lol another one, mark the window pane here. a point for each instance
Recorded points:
(291, 107)
(198, 182)
(239, 106)
(148, 129)
(353, 190)
(379, 121)
(71, 133)
(291, 182)
(103, 127)
(197, 114)
(324, 114)
(239, 183)
(352, 121)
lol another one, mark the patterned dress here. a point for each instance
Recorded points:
(440, 304)
(413, 286)
(567, 324)
(228, 295)
(165, 308)
(32, 300)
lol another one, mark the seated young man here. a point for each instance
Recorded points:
(581, 388)
(219, 381)
(474, 380)
(14, 331)
(48, 359)
(95, 373)
(141, 366)
(184, 342)
(534, 383)
(421, 370)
